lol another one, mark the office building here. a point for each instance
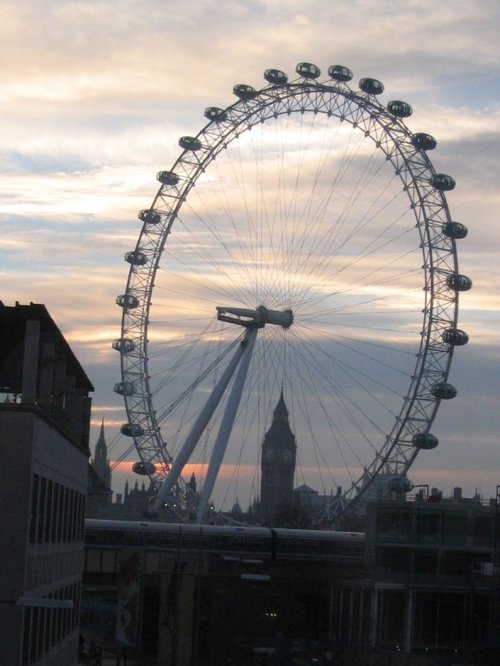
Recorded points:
(44, 432)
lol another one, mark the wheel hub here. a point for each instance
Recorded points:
(257, 318)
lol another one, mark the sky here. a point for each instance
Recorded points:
(95, 94)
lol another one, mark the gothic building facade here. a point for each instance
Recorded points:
(279, 503)
(131, 505)
(99, 493)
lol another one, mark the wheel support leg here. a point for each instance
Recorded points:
(226, 425)
(198, 429)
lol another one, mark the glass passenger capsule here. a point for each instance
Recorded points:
(215, 113)
(399, 484)
(276, 77)
(190, 143)
(149, 216)
(371, 86)
(307, 70)
(131, 430)
(399, 108)
(442, 182)
(123, 345)
(244, 91)
(455, 337)
(136, 258)
(454, 230)
(458, 282)
(424, 141)
(444, 391)
(128, 301)
(167, 177)
(144, 468)
(339, 73)
(425, 441)
(124, 388)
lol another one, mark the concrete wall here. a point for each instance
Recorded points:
(28, 446)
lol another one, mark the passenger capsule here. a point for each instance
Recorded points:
(399, 484)
(444, 391)
(150, 216)
(459, 282)
(454, 230)
(131, 430)
(123, 345)
(190, 143)
(276, 77)
(425, 441)
(424, 141)
(215, 113)
(144, 468)
(442, 182)
(136, 258)
(124, 388)
(339, 73)
(307, 70)
(167, 177)
(399, 109)
(371, 86)
(244, 91)
(455, 337)
(127, 301)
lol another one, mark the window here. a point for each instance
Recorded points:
(393, 560)
(454, 563)
(41, 509)
(426, 562)
(483, 530)
(34, 507)
(388, 524)
(93, 560)
(49, 512)
(392, 613)
(394, 525)
(108, 563)
(55, 512)
(455, 528)
(428, 527)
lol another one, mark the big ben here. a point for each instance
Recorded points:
(277, 466)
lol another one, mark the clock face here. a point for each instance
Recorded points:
(268, 454)
(287, 455)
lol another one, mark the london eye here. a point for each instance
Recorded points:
(300, 243)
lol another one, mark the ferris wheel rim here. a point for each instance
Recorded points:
(395, 140)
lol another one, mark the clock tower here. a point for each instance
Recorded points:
(277, 466)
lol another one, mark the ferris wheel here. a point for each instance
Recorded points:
(301, 244)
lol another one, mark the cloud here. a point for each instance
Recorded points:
(94, 97)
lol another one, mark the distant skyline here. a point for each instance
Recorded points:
(95, 95)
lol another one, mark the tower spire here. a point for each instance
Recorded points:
(280, 411)
(101, 463)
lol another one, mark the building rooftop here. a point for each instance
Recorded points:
(12, 334)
